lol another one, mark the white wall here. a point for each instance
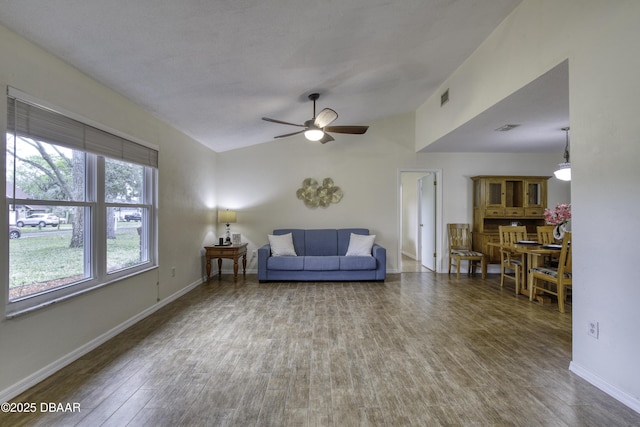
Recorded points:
(600, 40)
(34, 344)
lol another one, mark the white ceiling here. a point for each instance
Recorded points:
(213, 68)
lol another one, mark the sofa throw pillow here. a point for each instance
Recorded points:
(360, 244)
(282, 245)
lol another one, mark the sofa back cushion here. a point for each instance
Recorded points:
(344, 235)
(321, 242)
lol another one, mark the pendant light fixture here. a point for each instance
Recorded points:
(564, 169)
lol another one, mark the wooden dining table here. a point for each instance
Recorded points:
(534, 253)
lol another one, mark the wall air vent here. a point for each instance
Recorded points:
(506, 128)
(444, 98)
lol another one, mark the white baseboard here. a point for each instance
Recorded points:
(230, 271)
(493, 269)
(50, 369)
(612, 391)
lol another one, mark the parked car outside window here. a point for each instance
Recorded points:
(14, 232)
(133, 217)
(39, 220)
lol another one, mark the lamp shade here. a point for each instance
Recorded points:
(226, 216)
(564, 169)
(564, 172)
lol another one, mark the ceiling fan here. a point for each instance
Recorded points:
(316, 129)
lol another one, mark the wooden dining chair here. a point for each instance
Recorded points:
(545, 234)
(460, 249)
(512, 263)
(557, 279)
(545, 237)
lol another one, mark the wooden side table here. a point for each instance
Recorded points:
(233, 252)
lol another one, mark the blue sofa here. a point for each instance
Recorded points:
(321, 257)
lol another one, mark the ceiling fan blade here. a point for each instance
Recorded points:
(325, 117)
(356, 130)
(326, 138)
(289, 134)
(281, 122)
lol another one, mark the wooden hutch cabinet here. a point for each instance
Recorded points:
(502, 200)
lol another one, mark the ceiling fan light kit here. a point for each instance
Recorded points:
(313, 134)
(318, 127)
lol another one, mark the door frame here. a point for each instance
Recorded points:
(427, 258)
(438, 213)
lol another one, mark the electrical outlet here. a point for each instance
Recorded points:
(173, 272)
(593, 329)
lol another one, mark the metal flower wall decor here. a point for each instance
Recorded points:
(314, 194)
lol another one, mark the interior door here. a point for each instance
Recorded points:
(427, 215)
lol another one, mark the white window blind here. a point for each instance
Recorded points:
(32, 121)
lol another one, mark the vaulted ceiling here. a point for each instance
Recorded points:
(212, 69)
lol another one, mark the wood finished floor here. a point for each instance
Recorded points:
(420, 349)
(410, 265)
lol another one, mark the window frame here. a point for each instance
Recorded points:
(95, 205)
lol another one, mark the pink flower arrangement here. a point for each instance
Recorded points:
(560, 215)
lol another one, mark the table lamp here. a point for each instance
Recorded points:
(227, 217)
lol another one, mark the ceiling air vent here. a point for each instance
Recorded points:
(444, 98)
(506, 128)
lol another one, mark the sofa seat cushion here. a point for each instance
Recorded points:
(321, 263)
(285, 263)
(354, 262)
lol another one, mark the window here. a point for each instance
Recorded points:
(83, 200)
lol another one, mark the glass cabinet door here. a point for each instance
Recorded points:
(534, 197)
(495, 193)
